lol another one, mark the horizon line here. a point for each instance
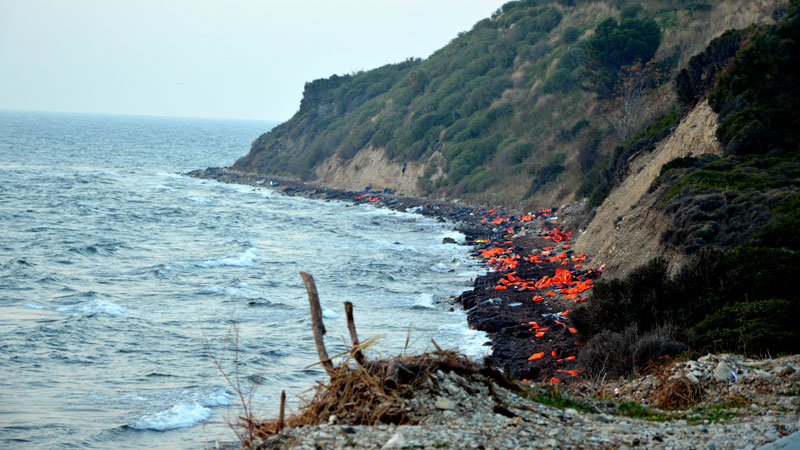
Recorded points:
(154, 115)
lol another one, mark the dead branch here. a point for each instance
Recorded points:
(351, 327)
(283, 410)
(316, 322)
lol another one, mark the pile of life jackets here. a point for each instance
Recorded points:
(571, 282)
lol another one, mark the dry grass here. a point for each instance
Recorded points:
(694, 31)
(676, 393)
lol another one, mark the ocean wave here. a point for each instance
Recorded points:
(200, 200)
(179, 416)
(186, 413)
(329, 314)
(94, 307)
(168, 175)
(237, 290)
(425, 301)
(471, 342)
(105, 173)
(440, 267)
(247, 258)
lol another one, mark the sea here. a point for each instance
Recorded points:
(140, 308)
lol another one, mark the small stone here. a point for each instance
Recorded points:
(604, 418)
(332, 419)
(723, 372)
(445, 403)
(692, 379)
(448, 240)
(784, 372)
(396, 441)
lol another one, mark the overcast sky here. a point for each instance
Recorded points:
(200, 58)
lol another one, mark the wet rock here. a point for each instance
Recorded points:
(448, 240)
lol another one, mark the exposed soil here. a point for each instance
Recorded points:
(626, 229)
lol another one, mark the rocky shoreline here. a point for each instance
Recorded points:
(529, 247)
(523, 302)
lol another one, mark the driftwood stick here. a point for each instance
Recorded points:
(283, 409)
(316, 322)
(351, 326)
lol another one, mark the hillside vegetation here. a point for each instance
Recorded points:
(736, 216)
(517, 110)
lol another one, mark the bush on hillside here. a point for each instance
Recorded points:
(570, 34)
(613, 354)
(740, 301)
(615, 45)
(693, 83)
(758, 96)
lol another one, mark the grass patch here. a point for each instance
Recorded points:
(637, 411)
(555, 397)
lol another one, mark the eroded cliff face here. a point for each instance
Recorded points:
(370, 167)
(626, 229)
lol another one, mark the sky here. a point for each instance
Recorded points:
(242, 59)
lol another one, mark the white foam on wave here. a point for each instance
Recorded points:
(161, 187)
(168, 175)
(106, 173)
(187, 413)
(454, 235)
(181, 415)
(93, 307)
(329, 314)
(440, 267)
(200, 199)
(239, 290)
(471, 342)
(424, 301)
(34, 306)
(246, 258)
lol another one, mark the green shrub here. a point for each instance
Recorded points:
(739, 301)
(613, 354)
(615, 45)
(758, 95)
(520, 152)
(570, 34)
(782, 231)
(760, 327)
(693, 83)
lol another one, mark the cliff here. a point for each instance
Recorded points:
(516, 111)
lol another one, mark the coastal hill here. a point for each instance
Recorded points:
(669, 130)
(668, 133)
(519, 110)
(548, 102)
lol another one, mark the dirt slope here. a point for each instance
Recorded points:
(626, 230)
(370, 167)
